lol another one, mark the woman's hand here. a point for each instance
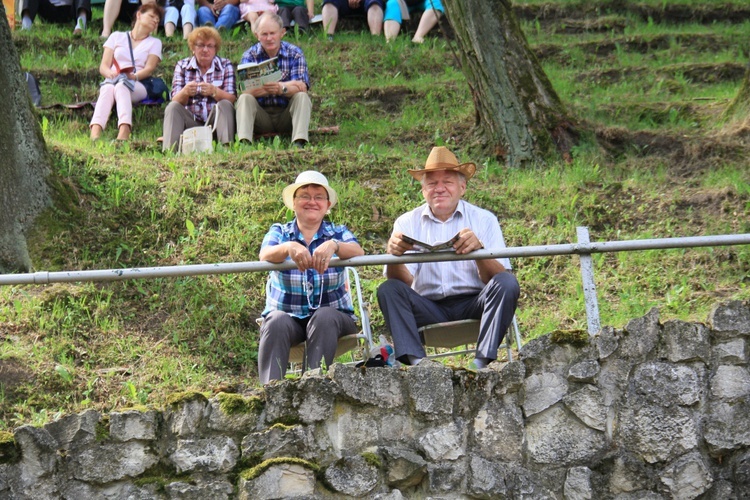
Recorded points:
(322, 255)
(300, 255)
(206, 89)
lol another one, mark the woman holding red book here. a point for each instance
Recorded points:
(128, 59)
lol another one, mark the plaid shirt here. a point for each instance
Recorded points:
(300, 293)
(220, 74)
(291, 62)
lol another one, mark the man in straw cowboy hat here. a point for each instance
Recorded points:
(415, 295)
(311, 303)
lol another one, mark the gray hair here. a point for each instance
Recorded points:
(268, 15)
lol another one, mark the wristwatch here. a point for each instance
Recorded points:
(283, 89)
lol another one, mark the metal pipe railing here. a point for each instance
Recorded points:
(46, 277)
(584, 248)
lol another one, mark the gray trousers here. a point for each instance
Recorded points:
(405, 311)
(294, 119)
(279, 332)
(177, 119)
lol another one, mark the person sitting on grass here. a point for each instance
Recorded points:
(128, 58)
(223, 14)
(396, 10)
(179, 13)
(57, 11)
(310, 303)
(299, 11)
(276, 107)
(372, 9)
(251, 10)
(203, 86)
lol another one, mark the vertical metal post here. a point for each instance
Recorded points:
(587, 277)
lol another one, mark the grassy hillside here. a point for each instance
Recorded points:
(647, 81)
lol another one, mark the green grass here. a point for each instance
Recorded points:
(67, 347)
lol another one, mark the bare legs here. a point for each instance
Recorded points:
(428, 21)
(331, 18)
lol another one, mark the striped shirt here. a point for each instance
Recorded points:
(300, 293)
(220, 74)
(437, 280)
(291, 62)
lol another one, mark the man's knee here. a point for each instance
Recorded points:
(507, 282)
(391, 287)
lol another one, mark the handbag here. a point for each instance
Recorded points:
(199, 139)
(155, 86)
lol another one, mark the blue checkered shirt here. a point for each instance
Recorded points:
(291, 62)
(300, 293)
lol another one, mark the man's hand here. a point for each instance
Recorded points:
(467, 242)
(218, 5)
(397, 246)
(272, 88)
(300, 255)
(354, 3)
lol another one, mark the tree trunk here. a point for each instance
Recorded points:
(24, 163)
(740, 105)
(518, 112)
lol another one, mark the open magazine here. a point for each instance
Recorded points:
(253, 75)
(421, 246)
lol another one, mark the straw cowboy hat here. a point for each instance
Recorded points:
(305, 178)
(442, 159)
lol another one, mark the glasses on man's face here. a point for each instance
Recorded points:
(201, 46)
(317, 199)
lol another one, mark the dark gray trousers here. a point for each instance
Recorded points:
(405, 312)
(279, 332)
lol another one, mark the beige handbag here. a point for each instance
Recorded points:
(199, 139)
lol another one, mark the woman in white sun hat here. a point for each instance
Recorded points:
(311, 303)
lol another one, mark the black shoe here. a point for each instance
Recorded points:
(300, 143)
(329, 38)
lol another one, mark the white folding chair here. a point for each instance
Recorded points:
(347, 343)
(452, 334)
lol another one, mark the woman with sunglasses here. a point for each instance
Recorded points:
(311, 303)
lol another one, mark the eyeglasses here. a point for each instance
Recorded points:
(316, 199)
(201, 46)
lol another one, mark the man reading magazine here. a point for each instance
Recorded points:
(418, 294)
(278, 106)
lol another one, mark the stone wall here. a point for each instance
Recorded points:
(651, 411)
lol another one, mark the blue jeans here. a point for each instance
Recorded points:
(227, 18)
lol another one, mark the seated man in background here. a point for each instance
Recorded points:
(220, 13)
(57, 11)
(398, 10)
(372, 9)
(276, 107)
(203, 91)
(415, 295)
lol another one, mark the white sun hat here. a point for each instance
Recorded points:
(304, 179)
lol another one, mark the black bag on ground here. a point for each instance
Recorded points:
(34, 92)
(156, 88)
